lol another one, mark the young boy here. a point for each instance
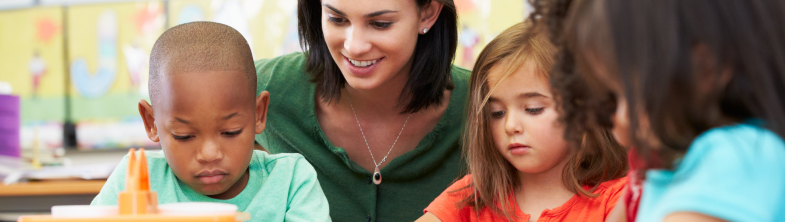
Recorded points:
(204, 114)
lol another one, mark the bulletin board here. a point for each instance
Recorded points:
(269, 26)
(108, 54)
(32, 53)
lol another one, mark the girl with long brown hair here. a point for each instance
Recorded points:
(521, 168)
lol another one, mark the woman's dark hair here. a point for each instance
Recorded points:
(431, 65)
(662, 50)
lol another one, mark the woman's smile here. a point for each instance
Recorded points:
(362, 68)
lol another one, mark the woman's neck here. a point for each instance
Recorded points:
(382, 100)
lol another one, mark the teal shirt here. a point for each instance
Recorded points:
(410, 181)
(281, 187)
(735, 173)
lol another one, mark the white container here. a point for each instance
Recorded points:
(83, 211)
(196, 209)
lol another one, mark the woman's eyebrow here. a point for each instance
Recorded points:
(339, 12)
(382, 12)
(369, 15)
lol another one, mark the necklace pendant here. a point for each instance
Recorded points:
(377, 176)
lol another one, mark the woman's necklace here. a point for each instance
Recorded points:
(377, 176)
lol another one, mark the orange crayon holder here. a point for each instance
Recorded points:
(137, 202)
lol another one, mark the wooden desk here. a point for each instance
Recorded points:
(69, 187)
(39, 197)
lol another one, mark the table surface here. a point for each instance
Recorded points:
(65, 187)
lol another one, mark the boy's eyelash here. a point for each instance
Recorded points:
(233, 133)
(186, 137)
(535, 111)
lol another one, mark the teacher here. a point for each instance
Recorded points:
(375, 104)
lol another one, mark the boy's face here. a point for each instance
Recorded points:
(206, 122)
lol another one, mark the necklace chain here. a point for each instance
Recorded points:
(366, 141)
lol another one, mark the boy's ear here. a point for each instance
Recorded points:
(429, 14)
(262, 101)
(146, 111)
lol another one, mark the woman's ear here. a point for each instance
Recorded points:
(262, 102)
(146, 111)
(428, 15)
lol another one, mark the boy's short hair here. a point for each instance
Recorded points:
(200, 46)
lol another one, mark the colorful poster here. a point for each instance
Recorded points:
(32, 55)
(108, 52)
(270, 27)
(479, 21)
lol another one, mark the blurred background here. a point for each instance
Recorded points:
(73, 71)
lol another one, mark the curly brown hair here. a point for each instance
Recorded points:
(583, 105)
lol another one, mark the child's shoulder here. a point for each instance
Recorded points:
(739, 134)
(745, 142)
(611, 188)
(459, 189)
(461, 184)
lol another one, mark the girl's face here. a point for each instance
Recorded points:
(371, 41)
(524, 122)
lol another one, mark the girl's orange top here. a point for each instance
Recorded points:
(578, 208)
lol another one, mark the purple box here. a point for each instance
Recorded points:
(9, 125)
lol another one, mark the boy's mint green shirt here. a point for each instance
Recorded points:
(409, 182)
(281, 187)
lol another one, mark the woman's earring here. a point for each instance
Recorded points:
(424, 31)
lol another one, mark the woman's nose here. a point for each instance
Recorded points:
(356, 43)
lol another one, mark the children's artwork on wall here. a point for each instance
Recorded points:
(479, 21)
(32, 55)
(270, 27)
(108, 51)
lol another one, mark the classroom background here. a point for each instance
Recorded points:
(73, 71)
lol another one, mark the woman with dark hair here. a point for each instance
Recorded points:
(374, 104)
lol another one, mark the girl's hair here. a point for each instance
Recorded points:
(666, 53)
(432, 57)
(598, 157)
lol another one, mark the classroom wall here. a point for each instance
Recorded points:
(84, 62)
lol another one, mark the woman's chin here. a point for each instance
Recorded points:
(362, 84)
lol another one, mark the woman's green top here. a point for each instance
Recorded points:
(410, 181)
